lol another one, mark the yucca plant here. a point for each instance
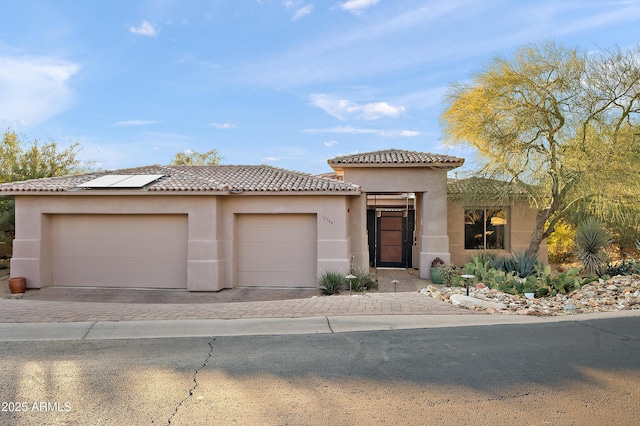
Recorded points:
(591, 241)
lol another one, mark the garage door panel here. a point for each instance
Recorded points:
(269, 264)
(140, 273)
(158, 250)
(268, 235)
(274, 280)
(120, 250)
(277, 250)
(292, 250)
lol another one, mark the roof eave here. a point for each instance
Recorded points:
(448, 166)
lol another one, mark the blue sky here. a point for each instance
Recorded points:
(286, 83)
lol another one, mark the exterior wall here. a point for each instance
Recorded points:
(520, 224)
(430, 186)
(394, 179)
(211, 260)
(357, 216)
(334, 243)
(32, 254)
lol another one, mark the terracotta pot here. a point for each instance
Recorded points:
(17, 285)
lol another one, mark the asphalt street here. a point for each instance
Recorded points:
(563, 373)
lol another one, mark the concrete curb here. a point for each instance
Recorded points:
(106, 330)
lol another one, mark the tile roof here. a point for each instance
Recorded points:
(480, 186)
(196, 179)
(399, 157)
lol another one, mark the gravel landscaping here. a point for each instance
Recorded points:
(616, 294)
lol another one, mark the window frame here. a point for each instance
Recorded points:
(506, 239)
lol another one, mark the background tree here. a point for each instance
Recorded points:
(559, 123)
(22, 161)
(193, 158)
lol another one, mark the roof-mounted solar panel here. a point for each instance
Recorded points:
(136, 181)
(120, 181)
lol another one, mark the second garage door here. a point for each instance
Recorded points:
(119, 250)
(276, 250)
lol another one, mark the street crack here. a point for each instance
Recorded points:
(89, 330)
(195, 381)
(624, 337)
(329, 324)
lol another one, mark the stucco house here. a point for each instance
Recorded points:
(206, 228)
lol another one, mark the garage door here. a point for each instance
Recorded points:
(120, 250)
(276, 250)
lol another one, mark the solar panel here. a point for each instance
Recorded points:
(136, 181)
(120, 181)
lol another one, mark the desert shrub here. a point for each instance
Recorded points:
(624, 267)
(362, 281)
(520, 263)
(591, 242)
(561, 243)
(479, 266)
(330, 282)
(449, 274)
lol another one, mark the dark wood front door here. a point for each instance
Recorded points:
(391, 242)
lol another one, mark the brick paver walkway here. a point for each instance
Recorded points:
(24, 310)
(53, 304)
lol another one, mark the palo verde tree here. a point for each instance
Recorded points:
(559, 123)
(23, 161)
(193, 158)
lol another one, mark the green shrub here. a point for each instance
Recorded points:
(449, 274)
(479, 266)
(330, 282)
(591, 241)
(541, 281)
(362, 280)
(625, 267)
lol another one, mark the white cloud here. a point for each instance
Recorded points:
(269, 159)
(344, 129)
(303, 11)
(288, 4)
(357, 6)
(34, 89)
(135, 123)
(363, 131)
(344, 109)
(145, 29)
(329, 144)
(222, 125)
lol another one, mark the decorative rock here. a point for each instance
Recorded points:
(472, 302)
(599, 296)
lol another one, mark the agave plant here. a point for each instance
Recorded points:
(591, 241)
(521, 263)
(330, 282)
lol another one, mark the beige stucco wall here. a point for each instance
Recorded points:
(335, 244)
(430, 187)
(211, 263)
(521, 221)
